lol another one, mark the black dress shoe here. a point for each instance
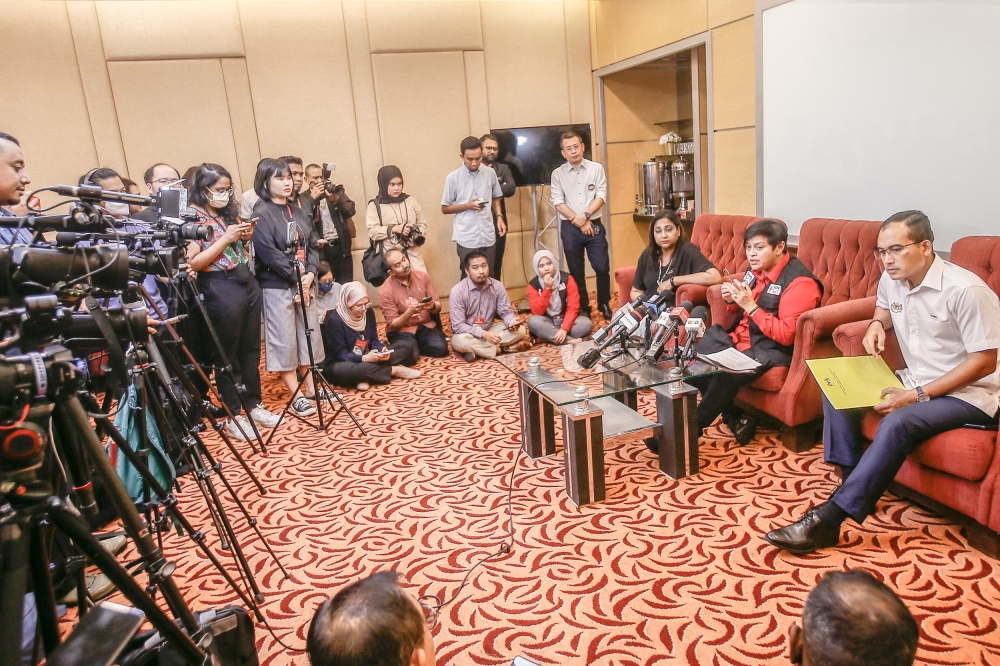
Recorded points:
(808, 534)
(745, 430)
(606, 311)
(652, 444)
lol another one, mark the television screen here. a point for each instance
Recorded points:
(533, 153)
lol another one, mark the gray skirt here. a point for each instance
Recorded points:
(284, 333)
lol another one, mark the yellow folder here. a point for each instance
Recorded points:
(853, 381)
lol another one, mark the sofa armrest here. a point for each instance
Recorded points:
(721, 314)
(821, 322)
(696, 293)
(848, 337)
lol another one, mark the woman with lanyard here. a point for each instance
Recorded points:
(232, 297)
(555, 303)
(394, 218)
(284, 331)
(670, 261)
(356, 357)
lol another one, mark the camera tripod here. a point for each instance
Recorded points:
(324, 391)
(52, 382)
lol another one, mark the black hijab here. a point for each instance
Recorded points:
(385, 175)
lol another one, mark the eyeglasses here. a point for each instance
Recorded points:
(230, 191)
(361, 306)
(431, 606)
(893, 251)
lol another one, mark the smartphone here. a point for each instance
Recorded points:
(427, 299)
(254, 221)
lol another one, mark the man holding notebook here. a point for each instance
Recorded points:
(947, 322)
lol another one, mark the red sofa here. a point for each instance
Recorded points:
(956, 473)
(720, 239)
(840, 254)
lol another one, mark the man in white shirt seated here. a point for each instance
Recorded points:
(947, 322)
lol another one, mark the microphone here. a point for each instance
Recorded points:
(695, 328)
(626, 324)
(622, 311)
(670, 319)
(655, 302)
(94, 193)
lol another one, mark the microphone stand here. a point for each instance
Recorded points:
(324, 391)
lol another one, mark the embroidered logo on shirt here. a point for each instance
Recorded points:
(896, 307)
(774, 289)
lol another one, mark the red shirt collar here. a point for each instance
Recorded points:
(773, 274)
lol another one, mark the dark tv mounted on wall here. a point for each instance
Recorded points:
(533, 153)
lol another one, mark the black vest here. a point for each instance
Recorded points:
(536, 284)
(767, 351)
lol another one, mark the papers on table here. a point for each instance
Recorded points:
(732, 360)
(853, 381)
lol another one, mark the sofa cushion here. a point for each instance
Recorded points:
(840, 253)
(772, 380)
(963, 452)
(720, 239)
(981, 255)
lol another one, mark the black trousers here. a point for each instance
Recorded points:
(718, 395)
(500, 246)
(428, 341)
(575, 243)
(349, 373)
(234, 309)
(343, 267)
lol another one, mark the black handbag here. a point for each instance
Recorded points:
(373, 263)
(233, 642)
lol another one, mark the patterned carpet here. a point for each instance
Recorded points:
(662, 572)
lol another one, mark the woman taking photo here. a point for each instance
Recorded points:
(284, 331)
(394, 218)
(232, 297)
(670, 261)
(555, 303)
(355, 355)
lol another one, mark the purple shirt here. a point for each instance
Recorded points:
(467, 304)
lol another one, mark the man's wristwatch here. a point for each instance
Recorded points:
(921, 396)
(587, 215)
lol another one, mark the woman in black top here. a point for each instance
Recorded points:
(232, 297)
(670, 261)
(284, 331)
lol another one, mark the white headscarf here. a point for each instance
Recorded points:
(556, 301)
(351, 293)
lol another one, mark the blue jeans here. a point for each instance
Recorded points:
(867, 473)
(575, 243)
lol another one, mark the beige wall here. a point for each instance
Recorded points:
(621, 29)
(127, 83)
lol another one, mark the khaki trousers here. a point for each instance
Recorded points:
(466, 342)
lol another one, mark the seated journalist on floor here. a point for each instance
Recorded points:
(555, 303)
(475, 302)
(410, 306)
(771, 297)
(947, 321)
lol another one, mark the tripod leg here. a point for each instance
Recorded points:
(336, 396)
(14, 545)
(45, 599)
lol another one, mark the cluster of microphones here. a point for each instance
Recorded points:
(665, 323)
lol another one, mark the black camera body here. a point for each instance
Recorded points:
(414, 237)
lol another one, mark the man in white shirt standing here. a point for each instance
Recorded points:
(471, 192)
(579, 190)
(947, 322)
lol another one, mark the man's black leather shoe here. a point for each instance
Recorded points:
(745, 430)
(606, 311)
(652, 444)
(808, 534)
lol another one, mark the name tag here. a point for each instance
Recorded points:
(557, 321)
(562, 287)
(478, 321)
(300, 254)
(361, 347)
(774, 289)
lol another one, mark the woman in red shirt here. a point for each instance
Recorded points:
(555, 303)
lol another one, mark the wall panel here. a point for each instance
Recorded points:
(398, 26)
(630, 27)
(423, 116)
(475, 85)
(234, 73)
(579, 76)
(44, 103)
(734, 75)
(727, 11)
(736, 172)
(636, 99)
(526, 66)
(170, 29)
(365, 106)
(169, 127)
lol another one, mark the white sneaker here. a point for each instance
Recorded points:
(264, 418)
(363, 386)
(404, 372)
(235, 433)
(303, 406)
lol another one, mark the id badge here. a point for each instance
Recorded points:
(479, 321)
(300, 254)
(361, 347)
(557, 321)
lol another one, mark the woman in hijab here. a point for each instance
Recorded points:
(555, 303)
(354, 354)
(394, 218)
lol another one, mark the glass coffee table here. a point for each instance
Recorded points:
(599, 404)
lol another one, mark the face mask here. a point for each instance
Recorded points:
(116, 207)
(219, 199)
(325, 287)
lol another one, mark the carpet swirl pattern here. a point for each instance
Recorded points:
(663, 572)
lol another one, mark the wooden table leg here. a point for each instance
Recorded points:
(583, 439)
(538, 423)
(677, 436)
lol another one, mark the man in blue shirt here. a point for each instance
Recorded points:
(13, 181)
